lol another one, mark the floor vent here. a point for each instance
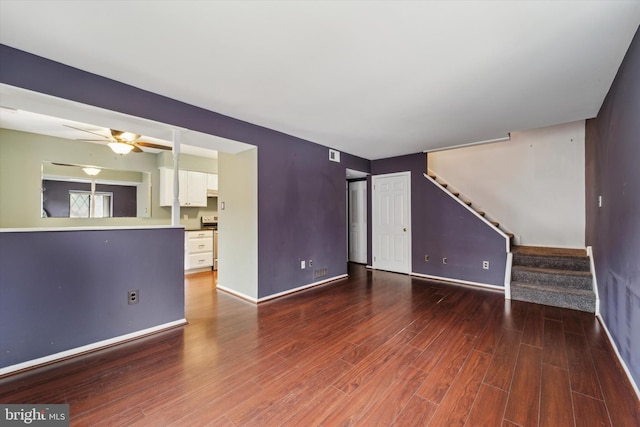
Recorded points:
(322, 272)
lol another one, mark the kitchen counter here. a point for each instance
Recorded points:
(89, 228)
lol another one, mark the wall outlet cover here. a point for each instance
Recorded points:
(133, 297)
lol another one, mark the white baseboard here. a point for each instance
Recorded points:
(45, 360)
(310, 285)
(507, 276)
(279, 294)
(460, 282)
(237, 294)
(620, 359)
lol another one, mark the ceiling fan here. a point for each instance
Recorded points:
(122, 142)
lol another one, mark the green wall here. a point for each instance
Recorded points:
(21, 157)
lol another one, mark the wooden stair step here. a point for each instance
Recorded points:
(455, 193)
(468, 203)
(444, 184)
(538, 250)
(495, 224)
(481, 213)
(432, 176)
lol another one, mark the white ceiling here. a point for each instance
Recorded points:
(372, 78)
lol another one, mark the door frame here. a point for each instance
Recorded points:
(366, 225)
(374, 231)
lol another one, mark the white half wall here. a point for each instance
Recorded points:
(533, 185)
(238, 223)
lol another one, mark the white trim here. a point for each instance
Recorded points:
(90, 228)
(279, 294)
(592, 268)
(470, 209)
(89, 347)
(620, 359)
(507, 276)
(460, 282)
(237, 294)
(310, 285)
(198, 270)
(488, 141)
(88, 181)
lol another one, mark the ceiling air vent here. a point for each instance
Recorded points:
(334, 156)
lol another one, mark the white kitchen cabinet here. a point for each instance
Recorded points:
(192, 188)
(196, 190)
(198, 250)
(212, 182)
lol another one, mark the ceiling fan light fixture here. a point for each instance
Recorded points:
(120, 147)
(91, 171)
(121, 135)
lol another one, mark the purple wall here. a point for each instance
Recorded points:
(441, 227)
(56, 197)
(65, 289)
(613, 171)
(302, 214)
(302, 196)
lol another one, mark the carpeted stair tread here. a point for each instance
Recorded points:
(578, 299)
(558, 277)
(553, 277)
(539, 270)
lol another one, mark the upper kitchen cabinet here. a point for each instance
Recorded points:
(192, 188)
(212, 182)
(212, 185)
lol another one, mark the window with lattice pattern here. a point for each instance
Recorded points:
(80, 205)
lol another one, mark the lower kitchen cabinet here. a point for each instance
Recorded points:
(198, 251)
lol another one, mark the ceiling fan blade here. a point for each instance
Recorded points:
(136, 149)
(94, 140)
(88, 131)
(152, 145)
(64, 164)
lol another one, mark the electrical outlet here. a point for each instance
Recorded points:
(426, 258)
(310, 263)
(185, 217)
(302, 266)
(444, 260)
(133, 297)
(485, 265)
(599, 201)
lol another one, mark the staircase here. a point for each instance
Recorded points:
(552, 276)
(467, 202)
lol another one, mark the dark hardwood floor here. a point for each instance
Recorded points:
(375, 349)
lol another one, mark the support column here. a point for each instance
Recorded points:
(175, 206)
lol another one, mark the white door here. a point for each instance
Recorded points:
(391, 221)
(358, 221)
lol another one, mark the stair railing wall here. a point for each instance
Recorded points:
(473, 211)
